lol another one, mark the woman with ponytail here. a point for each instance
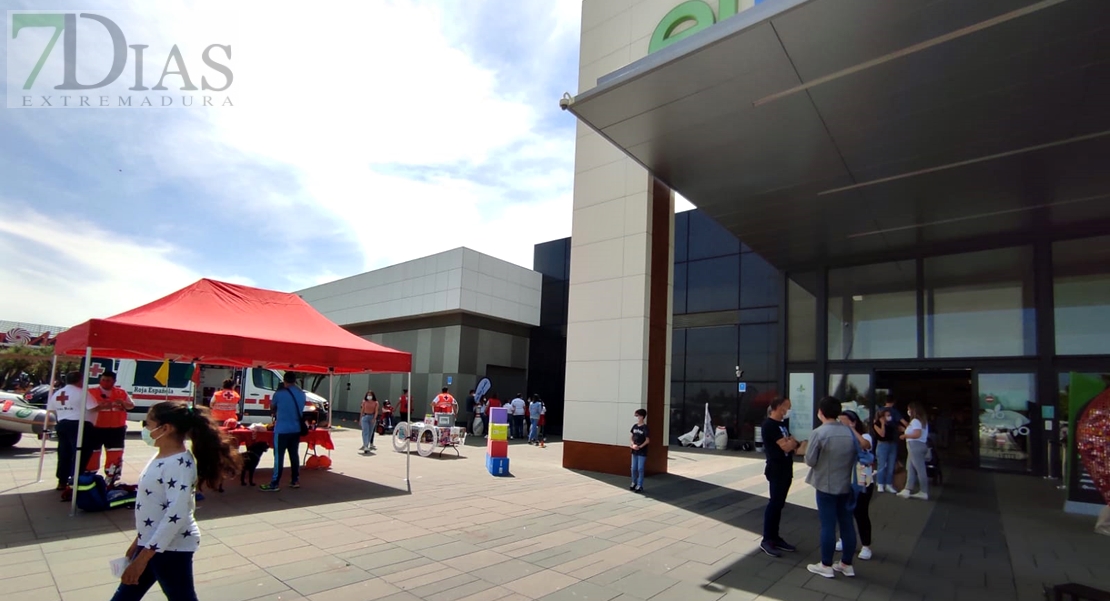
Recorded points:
(167, 533)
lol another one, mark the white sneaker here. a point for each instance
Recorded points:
(865, 553)
(890, 489)
(373, 448)
(843, 568)
(821, 570)
(362, 449)
(880, 488)
(839, 545)
(905, 494)
(921, 495)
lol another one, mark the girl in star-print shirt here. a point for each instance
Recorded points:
(168, 536)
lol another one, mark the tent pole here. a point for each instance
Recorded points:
(46, 419)
(77, 467)
(331, 395)
(408, 440)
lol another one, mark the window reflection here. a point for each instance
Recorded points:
(1081, 289)
(713, 284)
(801, 318)
(980, 304)
(873, 312)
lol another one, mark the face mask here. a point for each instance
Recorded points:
(788, 413)
(148, 438)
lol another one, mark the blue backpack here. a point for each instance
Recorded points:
(92, 492)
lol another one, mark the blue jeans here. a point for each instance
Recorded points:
(638, 462)
(534, 431)
(172, 570)
(369, 425)
(887, 454)
(287, 443)
(833, 511)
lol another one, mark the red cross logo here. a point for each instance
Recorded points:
(96, 369)
(266, 402)
(228, 395)
(62, 398)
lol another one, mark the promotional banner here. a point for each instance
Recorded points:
(801, 405)
(1088, 439)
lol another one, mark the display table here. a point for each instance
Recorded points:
(313, 439)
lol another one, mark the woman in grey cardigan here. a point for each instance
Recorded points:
(832, 457)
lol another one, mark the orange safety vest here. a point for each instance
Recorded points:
(109, 417)
(225, 405)
(444, 403)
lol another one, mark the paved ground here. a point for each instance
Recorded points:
(355, 533)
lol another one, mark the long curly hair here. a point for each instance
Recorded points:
(216, 453)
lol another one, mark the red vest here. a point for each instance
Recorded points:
(107, 417)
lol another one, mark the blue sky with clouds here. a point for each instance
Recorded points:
(363, 134)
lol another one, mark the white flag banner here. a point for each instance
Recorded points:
(708, 431)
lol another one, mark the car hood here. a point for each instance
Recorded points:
(315, 398)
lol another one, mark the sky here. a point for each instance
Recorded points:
(360, 135)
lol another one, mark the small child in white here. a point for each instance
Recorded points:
(639, 444)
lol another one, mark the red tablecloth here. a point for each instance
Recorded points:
(313, 439)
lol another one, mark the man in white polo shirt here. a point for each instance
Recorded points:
(65, 405)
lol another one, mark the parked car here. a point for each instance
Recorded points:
(18, 417)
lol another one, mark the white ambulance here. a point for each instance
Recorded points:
(256, 386)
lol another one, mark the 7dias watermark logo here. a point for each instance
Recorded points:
(96, 67)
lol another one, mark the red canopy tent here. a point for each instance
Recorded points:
(218, 323)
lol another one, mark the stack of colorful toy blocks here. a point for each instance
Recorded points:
(497, 450)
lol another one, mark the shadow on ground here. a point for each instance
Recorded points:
(36, 516)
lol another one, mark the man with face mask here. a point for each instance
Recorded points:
(779, 446)
(110, 405)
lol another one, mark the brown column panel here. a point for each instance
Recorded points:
(593, 457)
(659, 299)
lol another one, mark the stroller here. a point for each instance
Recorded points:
(932, 462)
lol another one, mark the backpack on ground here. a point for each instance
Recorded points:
(92, 492)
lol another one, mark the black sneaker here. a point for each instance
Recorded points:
(632, 488)
(769, 548)
(782, 545)
(640, 489)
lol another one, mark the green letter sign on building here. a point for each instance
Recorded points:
(697, 12)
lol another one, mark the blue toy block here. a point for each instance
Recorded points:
(497, 466)
(498, 415)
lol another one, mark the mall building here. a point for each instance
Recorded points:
(928, 181)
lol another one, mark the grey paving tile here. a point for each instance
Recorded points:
(583, 591)
(643, 585)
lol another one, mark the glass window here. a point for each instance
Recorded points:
(713, 285)
(759, 351)
(801, 317)
(980, 304)
(755, 403)
(549, 259)
(553, 302)
(146, 370)
(265, 379)
(873, 311)
(1082, 398)
(678, 354)
(679, 290)
(759, 282)
(1004, 424)
(678, 427)
(681, 239)
(1081, 289)
(723, 402)
(711, 354)
(709, 239)
(854, 392)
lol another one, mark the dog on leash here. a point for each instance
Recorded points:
(250, 458)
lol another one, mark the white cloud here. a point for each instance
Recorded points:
(65, 272)
(331, 120)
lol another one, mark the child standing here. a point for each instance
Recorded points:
(639, 444)
(167, 533)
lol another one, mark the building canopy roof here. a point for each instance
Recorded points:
(817, 129)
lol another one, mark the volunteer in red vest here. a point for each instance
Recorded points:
(403, 405)
(445, 403)
(225, 403)
(65, 405)
(110, 405)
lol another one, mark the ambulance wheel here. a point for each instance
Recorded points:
(8, 439)
(400, 437)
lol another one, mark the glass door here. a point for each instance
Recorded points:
(853, 390)
(1007, 435)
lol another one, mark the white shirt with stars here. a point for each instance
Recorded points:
(165, 502)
